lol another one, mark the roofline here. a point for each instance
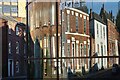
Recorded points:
(98, 21)
(78, 11)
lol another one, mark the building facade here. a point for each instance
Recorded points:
(112, 41)
(73, 38)
(14, 8)
(13, 47)
(98, 31)
(77, 37)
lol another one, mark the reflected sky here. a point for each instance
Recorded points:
(96, 6)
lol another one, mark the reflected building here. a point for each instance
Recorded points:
(112, 41)
(14, 8)
(13, 48)
(73, 36)
(98, 31)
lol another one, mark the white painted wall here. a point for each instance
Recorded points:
(99, 40)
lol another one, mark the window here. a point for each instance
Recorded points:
(6, 0)
(10, 67)
(14, 9)
(84, 25)
(81, 55)
(76, 23)
(98, 48)
(6, 9)
(77, 55)
(68, 49)
(85, 53)
(45, 45)
(9, 47)
(105, 49)
(17, 47)
(101, 31)
(97, 31)
(104, 32)
(73, 49)
(17, 31)
(68, 22)
(14, 0)
(76, 49)
(17, 67)
(102, 54)
(9, 30)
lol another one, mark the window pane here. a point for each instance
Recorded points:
(68, 22)
(77, 24)
(6, 0)
(14, 0)
(17, 47)
(9, 47)
(14, 9)
(6, 9)
(17, 67)
(84, 25)
(17, 31)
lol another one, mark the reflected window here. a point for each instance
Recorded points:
(14, 9)
(17, 47)
(77, 23)
(9, 47)
(85, 53)
(101, 31)
(104, 32)
(6, 0)
(6, 9)
(97, 31)
(85, 26)
(14, 0)
(17, 67)
(68, 22)
(68, 50)
(9, 31)
(17, 30)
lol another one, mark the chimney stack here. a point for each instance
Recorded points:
(91, 16)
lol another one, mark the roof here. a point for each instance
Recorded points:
(108, 16)
(83, 8)
(79, 11)
(97, 17)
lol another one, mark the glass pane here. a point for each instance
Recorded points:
(6, 9)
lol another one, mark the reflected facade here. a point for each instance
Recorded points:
(73, 36)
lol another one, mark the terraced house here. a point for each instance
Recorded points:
(98, 31)
(112, 36)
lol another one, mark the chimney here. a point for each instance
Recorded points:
(111, 15)
(91, 16)
(113, 19)
(103, 6)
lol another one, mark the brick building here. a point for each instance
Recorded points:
(73, 37)
(13, 48)
(77, 42)
(112, 36)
